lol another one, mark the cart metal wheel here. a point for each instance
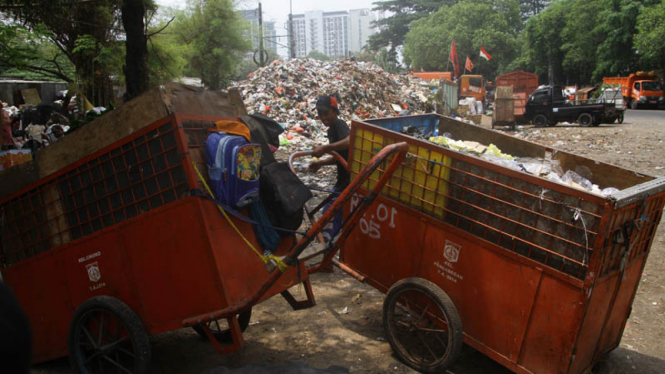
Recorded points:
(540, 120)
(220, 329)
(585, 119)
(620, 118)
(106, 336)
(422, 325)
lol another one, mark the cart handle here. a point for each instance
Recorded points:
(334, 154)
(292, 257)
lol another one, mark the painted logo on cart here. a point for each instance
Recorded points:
(451, 251)
(93, 272)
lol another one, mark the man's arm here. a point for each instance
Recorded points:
(342, 145)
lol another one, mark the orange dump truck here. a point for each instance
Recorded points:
(639, 89)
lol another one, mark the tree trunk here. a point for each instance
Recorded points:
(136, 60)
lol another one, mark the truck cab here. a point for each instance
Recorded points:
(548, 105)
(646, 93)
(472, 86)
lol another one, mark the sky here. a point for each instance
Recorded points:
(278, 10)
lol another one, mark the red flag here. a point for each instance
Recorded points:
(453, 58)
(469, 65)
(484, 54)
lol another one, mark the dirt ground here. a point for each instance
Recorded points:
(345, 328)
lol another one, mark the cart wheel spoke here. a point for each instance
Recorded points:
(94, 355)
(115, 343)
(122, 345)
(116, 364)
(429, 336)
(424, 341)
(128, 353)
(90, 338)
(101, 331)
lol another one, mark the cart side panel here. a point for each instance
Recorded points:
(238, 266)
(172, 267)
(620, 310)
(594, 319)
(388, 241)
(554, 324)
(42, 292)
(493, 312)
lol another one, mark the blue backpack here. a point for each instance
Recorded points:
(233, 169)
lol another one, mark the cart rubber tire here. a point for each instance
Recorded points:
(540, 120)
(633, 104)
(585, 119)
(426, 336)
(620, 118)
(224, 335)
(114, 335)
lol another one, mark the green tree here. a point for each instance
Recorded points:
(651, 34)
(542, 42)
(211, 36)
(616, 55)
(580, 39)
(530, 8)
(29, 54)
(87, 33)
(494, 24)
(393, 29)
(318, 56)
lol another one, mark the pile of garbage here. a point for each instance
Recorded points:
(541, 167)
(287, 90)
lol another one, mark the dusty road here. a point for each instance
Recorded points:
(344, 328)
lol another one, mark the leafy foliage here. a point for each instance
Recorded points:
(29, 54)
(211, 39)
(649, 39)
(494, 24)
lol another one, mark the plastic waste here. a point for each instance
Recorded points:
(575, 180)
(609, 191)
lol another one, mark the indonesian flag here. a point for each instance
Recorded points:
(453, 58)
(484, 54)
(469, 65)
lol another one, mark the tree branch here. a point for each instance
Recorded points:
(162, 29)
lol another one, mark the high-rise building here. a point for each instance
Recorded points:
(332, 33)
(361, 28)
(269, 32)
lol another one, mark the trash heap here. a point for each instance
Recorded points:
(286, 90)
(546, 168)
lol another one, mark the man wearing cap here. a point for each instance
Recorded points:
(338, 138)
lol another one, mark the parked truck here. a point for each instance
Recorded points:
(639, 89)
(472, 86)
(469, 85)
(547, 106)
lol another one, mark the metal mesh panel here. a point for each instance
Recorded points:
(143, 173)
(553, 228)
(631, 230)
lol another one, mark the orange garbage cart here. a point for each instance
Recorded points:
(117, 247)
(537, 275)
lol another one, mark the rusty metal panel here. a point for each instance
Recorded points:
(449, 97)
(492, 311)
(594, 319)
(555, 319)
(390, 238)
(521, 81)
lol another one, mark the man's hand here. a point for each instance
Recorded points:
(314, 166)
(319, 151)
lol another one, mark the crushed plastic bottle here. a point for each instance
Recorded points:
(574, 179)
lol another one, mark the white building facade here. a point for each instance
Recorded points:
(335, 34)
